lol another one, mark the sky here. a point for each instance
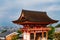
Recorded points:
(11, 9)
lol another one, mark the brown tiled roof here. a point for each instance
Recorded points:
(34, 16)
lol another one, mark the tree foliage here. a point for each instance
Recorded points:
(57, 36)
(15, 37)
(4, 31)
(51, 32)
(19, 32)
(58, 25)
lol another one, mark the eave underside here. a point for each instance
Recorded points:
(21, 23)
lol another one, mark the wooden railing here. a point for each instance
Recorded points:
(37, 29)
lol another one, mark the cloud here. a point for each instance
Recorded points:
(11, 9)
(8, 4)
(53, 8)
(27, 3)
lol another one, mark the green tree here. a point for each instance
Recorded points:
(58, 25)
(15, 37)
(51, 32)
(19, 31)
(4, 31)
(57, 36)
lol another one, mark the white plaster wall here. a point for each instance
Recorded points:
(44, 38)
(26, 36)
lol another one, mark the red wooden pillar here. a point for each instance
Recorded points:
(34, 35)
(42, 35)
(46, 35)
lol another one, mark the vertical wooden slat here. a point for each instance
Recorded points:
(42, 35)
(34, 35)
(46, 35)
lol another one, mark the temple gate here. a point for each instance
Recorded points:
(35, 25)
